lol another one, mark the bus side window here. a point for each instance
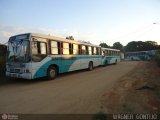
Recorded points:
(75, 49)
(103, 52)
(43, 48)
(66, 48)
(83, 50)
(100, 51)
(80, 49)
(97, 49)
(54, 47)
(39, 51)
(34, 48)
(109, 52)
(94, 52)
(89, 50)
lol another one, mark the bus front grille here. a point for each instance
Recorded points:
(15, 70)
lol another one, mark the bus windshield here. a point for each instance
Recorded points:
(18, 51)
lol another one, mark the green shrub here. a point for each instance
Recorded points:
(3, 50)
(2, 65)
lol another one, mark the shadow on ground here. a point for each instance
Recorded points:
(7, 81)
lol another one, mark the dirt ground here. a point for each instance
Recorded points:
(77, 92)
(136, 92)
(128, 87)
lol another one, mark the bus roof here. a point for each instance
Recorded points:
(60, 39)
(56, 38)
(110, 49)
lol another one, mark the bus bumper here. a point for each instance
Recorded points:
(19, 75)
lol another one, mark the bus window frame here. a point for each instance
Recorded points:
(38, 57)
(65, 48)
(58, 47)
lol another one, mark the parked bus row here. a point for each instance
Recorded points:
(32, 56)
(140, 55)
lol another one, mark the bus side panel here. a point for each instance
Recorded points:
(84, 62)
(86, 59)
(65, 63)
(110, 60)
(76, 65)
(39, 69)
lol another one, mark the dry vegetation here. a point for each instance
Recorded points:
(136, 92)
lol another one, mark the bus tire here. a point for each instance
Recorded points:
(90, 66)
(52, 73)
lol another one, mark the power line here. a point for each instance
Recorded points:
(131, 33)
(138, 30)
(143, 33)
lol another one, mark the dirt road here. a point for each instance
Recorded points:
(76, 92)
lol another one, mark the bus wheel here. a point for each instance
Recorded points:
(90, 66)
(52, 73)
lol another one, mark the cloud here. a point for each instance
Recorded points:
(6, 31)
(95, 38)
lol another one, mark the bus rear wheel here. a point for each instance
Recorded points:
(90, 66)
(52, 73)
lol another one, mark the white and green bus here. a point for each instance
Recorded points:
(110, 56)
(33, 55)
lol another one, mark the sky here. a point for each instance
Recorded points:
(96, 21)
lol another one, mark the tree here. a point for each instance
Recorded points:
(70, 37)
(141, 46)
(150, 45)
(104, 45)
(119, 46)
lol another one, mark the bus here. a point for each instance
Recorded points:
(34, 55)
(110, 56)
(140, 55)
